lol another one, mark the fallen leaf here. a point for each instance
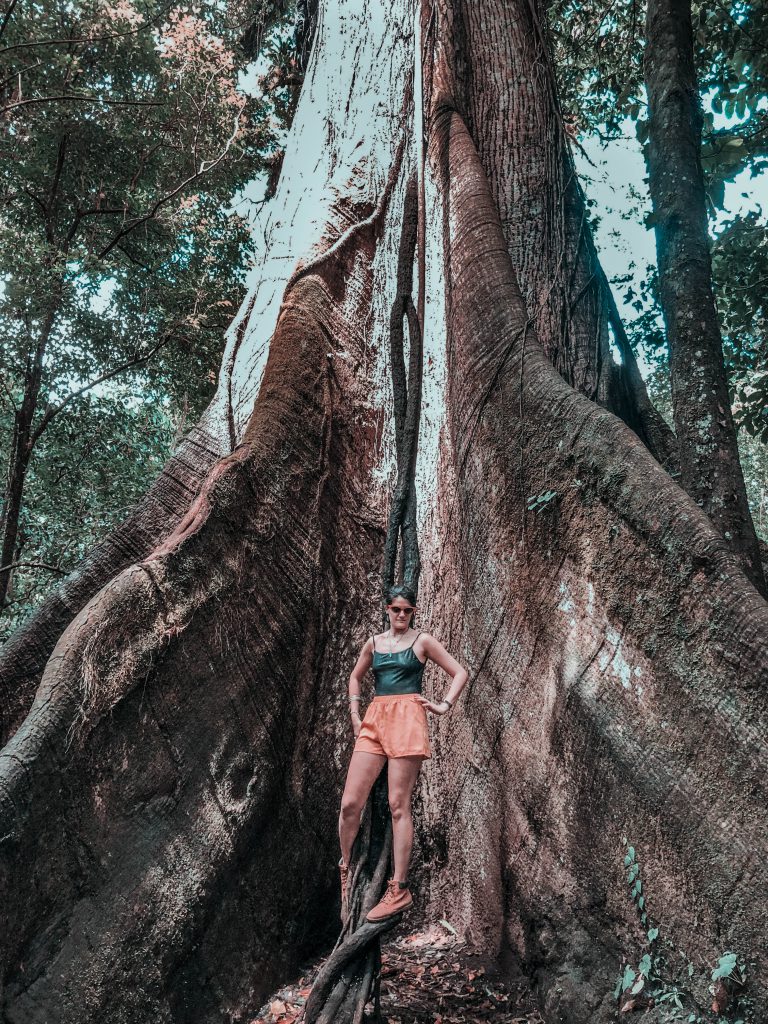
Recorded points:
(720, 1001)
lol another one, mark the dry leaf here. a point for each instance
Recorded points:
(721, 997)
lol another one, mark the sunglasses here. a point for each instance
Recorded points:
(397, 609)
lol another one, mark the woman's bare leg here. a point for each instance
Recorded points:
(401, 776)
(364, 769)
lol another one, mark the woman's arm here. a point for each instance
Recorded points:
(363, 663)
(459, 676)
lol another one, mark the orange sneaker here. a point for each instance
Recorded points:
(344, 873)
(396, 898)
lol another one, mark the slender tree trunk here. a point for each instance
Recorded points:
(175, 784)
(21, 445)
(709, 455)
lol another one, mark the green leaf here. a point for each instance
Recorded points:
(628, 978)
(725, 967)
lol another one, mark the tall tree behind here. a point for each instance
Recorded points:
(709, 455)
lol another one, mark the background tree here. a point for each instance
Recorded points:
(706, 436)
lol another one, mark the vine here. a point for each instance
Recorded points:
(644, 986)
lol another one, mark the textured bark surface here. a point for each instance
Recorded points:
(709, 453)
(192, 724)
(506, 87)
(190, 720)
(175, 719)
(616, 653)
(24, 655)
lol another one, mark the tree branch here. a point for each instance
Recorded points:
(34, 565)
(172, 195)
(7, 18)
(54, 410)
(81, 39)
(86, 99)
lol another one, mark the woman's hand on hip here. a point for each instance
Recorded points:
(356, 725)
(436, 709)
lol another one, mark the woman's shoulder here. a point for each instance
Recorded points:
(423, 639)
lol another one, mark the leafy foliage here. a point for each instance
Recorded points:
(598, 55)
(121, 255)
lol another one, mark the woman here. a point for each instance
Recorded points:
(394, 730)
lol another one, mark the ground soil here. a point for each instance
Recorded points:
(429, 976)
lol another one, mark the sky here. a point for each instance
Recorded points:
(614, 175)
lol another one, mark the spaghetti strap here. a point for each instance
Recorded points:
(414, 640)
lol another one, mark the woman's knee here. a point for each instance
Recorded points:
(350, 807)
(399, 806)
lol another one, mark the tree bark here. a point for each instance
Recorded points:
(616, 650)
(175, 785)
(513, 112)
(21, 445)
(709, 454)
(25, 653)
(190, 720)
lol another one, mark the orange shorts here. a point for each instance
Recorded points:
(396, 726)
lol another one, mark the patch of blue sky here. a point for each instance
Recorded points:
(615, 176)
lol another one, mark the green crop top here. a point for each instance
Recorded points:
(400, 672)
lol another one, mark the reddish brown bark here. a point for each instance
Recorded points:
(617, 652)
(507, 90)
(24, 655)
(165, 794)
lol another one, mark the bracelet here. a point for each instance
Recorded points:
(355, 696)
(446, 701)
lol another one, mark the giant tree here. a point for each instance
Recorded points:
(169, 802)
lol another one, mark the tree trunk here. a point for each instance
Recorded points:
(709, 454)
(25, 653)
(21, 445)
(616, 651)
(190, 720)
(176, 783)
(512, 110)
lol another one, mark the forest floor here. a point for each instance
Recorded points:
(427, 977)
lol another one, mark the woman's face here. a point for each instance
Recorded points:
(400, 612)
